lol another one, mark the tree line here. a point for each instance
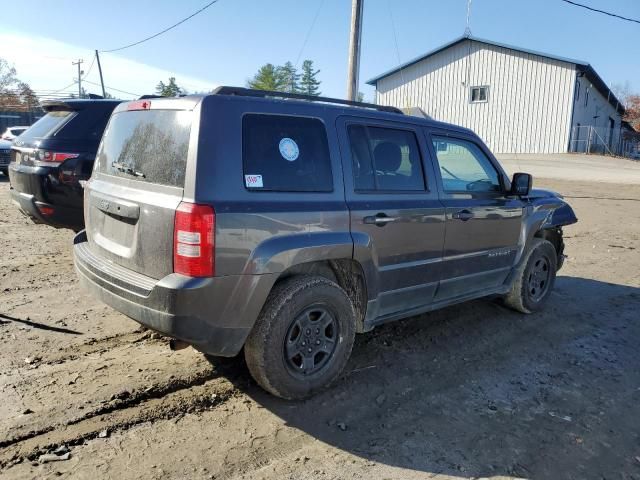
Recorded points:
(15, 94)
(286, 78)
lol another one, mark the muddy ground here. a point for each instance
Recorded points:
(474, 390)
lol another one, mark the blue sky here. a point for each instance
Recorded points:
(228, 42)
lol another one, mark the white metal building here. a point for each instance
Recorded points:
(517, 100)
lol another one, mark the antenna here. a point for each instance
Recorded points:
(467, 30)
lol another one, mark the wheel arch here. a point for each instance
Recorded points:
(346, 272)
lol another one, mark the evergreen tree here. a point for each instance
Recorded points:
(309, 84)
(269, 77)
(170, 89)
(290, 77)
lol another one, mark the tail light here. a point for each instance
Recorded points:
(194, 240)
(139, 105)
(46, 211)
(45, 157)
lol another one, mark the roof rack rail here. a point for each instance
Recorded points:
(249, 92)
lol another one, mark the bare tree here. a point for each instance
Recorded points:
(622, 91)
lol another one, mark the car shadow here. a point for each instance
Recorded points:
(4, 178)
(477, 390)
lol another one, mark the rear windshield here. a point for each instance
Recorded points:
(147, 145)
(87, 125)
(48, 124)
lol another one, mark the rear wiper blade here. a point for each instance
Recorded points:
(127, 169)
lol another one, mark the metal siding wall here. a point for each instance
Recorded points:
(530, 97)
(598, 104)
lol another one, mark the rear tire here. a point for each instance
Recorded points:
(303, 337)
(535, 278)
(5, 171)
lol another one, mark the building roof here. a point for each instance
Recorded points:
(584, 67)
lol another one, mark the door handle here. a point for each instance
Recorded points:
(463, 215)
(381, 219)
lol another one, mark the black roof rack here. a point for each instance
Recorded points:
(249, 92)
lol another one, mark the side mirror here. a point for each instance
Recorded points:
(521, 184)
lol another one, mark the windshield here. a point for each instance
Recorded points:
(147, 145)
(48, 124)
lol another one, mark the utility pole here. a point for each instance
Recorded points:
(80, 72)
(354, 49)
(104, 94)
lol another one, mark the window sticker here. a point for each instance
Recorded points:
(289, 149)
(253, 181)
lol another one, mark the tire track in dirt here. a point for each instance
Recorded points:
(167, 402)
(101, 378)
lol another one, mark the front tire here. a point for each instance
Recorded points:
(535, 278)
(303, 337)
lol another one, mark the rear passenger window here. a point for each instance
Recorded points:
(385, 159)
(285, 153)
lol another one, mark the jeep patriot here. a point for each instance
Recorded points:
(284, 225)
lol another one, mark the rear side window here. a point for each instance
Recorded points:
(285, 153)
(385, 159)
(48, 124)
(147, 145)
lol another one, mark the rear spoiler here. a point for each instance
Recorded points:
(149, 102)
(73, 104)
(57, 105)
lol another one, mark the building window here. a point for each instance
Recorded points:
(479, 94)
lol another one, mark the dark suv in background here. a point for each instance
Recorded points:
(52, 157)
(285, 225)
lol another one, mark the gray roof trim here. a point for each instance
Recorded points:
(581, 65)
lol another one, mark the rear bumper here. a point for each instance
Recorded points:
(215, 315)
(61, 218)
(33, 188)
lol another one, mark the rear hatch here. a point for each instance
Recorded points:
(138, 182)
(65, 139)
(69, 127)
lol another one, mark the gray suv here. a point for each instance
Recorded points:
(285, 225)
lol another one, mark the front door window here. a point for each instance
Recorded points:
(464, 167)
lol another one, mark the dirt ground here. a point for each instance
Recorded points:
(474, 390)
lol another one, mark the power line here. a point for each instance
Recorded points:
(163, 31)
(395, 39)
(70, 85)
(306, 38)
(114, 89)
(602, 11)
(90, 67)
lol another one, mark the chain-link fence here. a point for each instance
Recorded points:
(630, 144)
(605, 141)
(590, 139)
